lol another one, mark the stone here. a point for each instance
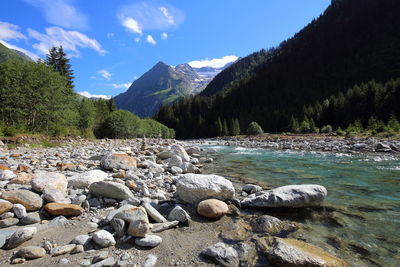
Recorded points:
(267, 224)
(222, 254)
(84, 180)
(4, 235)
(165, 155)
(19, 210)
(160, 227)
(381, 147)
(132, 185)
(52, 195)
(5, 206)
(23, 168)
(20, 236)
(138, 228)
(64, 261)
(132, 214)
(111, 190)
(103, 238)
(8, 222)
(106, 262)
(193, 188)
(22, 178)
(101, 256)
(58, 221)
(295, 196)
(251, 188)
(7, 175)
(32, 252)
(148, 241)
(6, 215)
(112, 213)
(150, 261)
(57, 251)
(30, 200)
(118, 161)
(78, 249)
(193, 150)
(291, 253)
(179, 214)
(153, 213)
(175, 161)
(83, 240)
(180, 151)
(119, 226)
(176, 170)
(212, 208)
(31, 218)
(49, 180)
(17, 260)
(57, 209)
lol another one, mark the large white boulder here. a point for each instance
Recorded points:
(83, 180)
(49, 180)
(181, 152)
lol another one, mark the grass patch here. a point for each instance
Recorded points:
(161, 92)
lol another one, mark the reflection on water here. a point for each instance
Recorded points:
(363, 191)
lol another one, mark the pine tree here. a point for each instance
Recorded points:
(225, 130)
(235, 127)
(57, 59)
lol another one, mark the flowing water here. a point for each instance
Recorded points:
(361, 219)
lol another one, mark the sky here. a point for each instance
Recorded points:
(112, 43)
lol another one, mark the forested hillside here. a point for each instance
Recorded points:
(352, 42)
(6, 54)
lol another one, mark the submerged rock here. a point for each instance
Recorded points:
(222, 254)
(294, 196)
(267, 224)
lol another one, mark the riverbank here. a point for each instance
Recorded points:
(110, 186)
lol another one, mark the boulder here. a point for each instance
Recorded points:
(5, 206)
(111, 190)
(222, 254)
(138, 228)
(31, 218)
(103, 238)
(212, 208)
(179, 214)
(8, 222)
(84, 180)
(19, 210)
(20, 236)
(4, 235)
(175, 161)
(291, 253)
(7, 175)
(49, 180)
(22, 178)
(137, 219)
(52, 195)
(32, 252)
(181, 152)
(118, 161)
(267, 224)
(148, 241)
(193, 150)
(294, 196)
(30, 200)
(57, 209)
(83, 240)
(193, 188)
(251, 188)
(165, 155)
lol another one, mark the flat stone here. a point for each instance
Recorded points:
(84, 180)
(107, 262)
(222, 254)
(118, 161)
(148, 241)
(111, 190)
(20, 236)
(52, 195)
(57, 251)
(81, 240)
(295, 196)
(153, 213)
(103, 238)
(5, 206)
(212, 208)
(49, 180)
(4, 235)
(57, 209)
(32, 252)
(193, 188)
(31, 201)
(8, 222)
(160, 227)
(31, 218)
(179, 214)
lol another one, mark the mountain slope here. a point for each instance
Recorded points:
(6, 54)
(354, 41)
(163, 84)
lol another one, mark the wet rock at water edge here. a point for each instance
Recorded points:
(222, 254)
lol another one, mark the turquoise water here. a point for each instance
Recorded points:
(361, 219)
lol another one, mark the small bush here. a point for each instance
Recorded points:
(326, 129)
(340, 132)
(254, 129)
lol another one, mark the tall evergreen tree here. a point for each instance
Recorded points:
(57, 59)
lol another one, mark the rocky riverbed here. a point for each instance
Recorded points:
(144, 203)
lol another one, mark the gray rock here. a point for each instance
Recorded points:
(179, 214)
(193, 150)
(112, 213)
(251, 188)
(20, 236)
(103, 238)
(49, 180)
(132, 214)
(111, 190)
(83, 240)
(381, 147)
(78, 249)
(32, 252)
(4, 235)
(62, 250)
(19, 210)
(57, 196)
(160, 227)
(193, 188)
(58, 221)
(101, 256)
(118, 161)
(107, 262)
(31, 218)
(7, 175)
(165, 155)
(6, 215)
(176, 170)
(63, 261)
(84, 180)
(119, 226)
(31, 201)
(78, 200)
(148, 241)
(138, 228)
(8, 222)
(175, 161)
(180, 151)
(150, 261)
(222, 254)
(153, 213)
(267, 224)
(295, 196)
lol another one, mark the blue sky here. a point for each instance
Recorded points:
(111, 43)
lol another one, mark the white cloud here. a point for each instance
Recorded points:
(61, 13)
(164, 36)
(121, 85)
(215, 62)
(137, 39)
(131, 25)
(89, 95)
(70, 40)
(10, 31)
(28, 53)
(146, 16)
(150, 40)
(105, 74)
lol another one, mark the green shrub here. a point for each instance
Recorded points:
(326, 129)
(340, 132)
(254, 129)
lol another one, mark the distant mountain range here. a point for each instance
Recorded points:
(6, 53)
(163, 84)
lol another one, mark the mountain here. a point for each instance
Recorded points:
(6, 53)
(352, 42)
(163, 84)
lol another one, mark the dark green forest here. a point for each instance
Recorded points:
(350, 54)
(38, 98)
